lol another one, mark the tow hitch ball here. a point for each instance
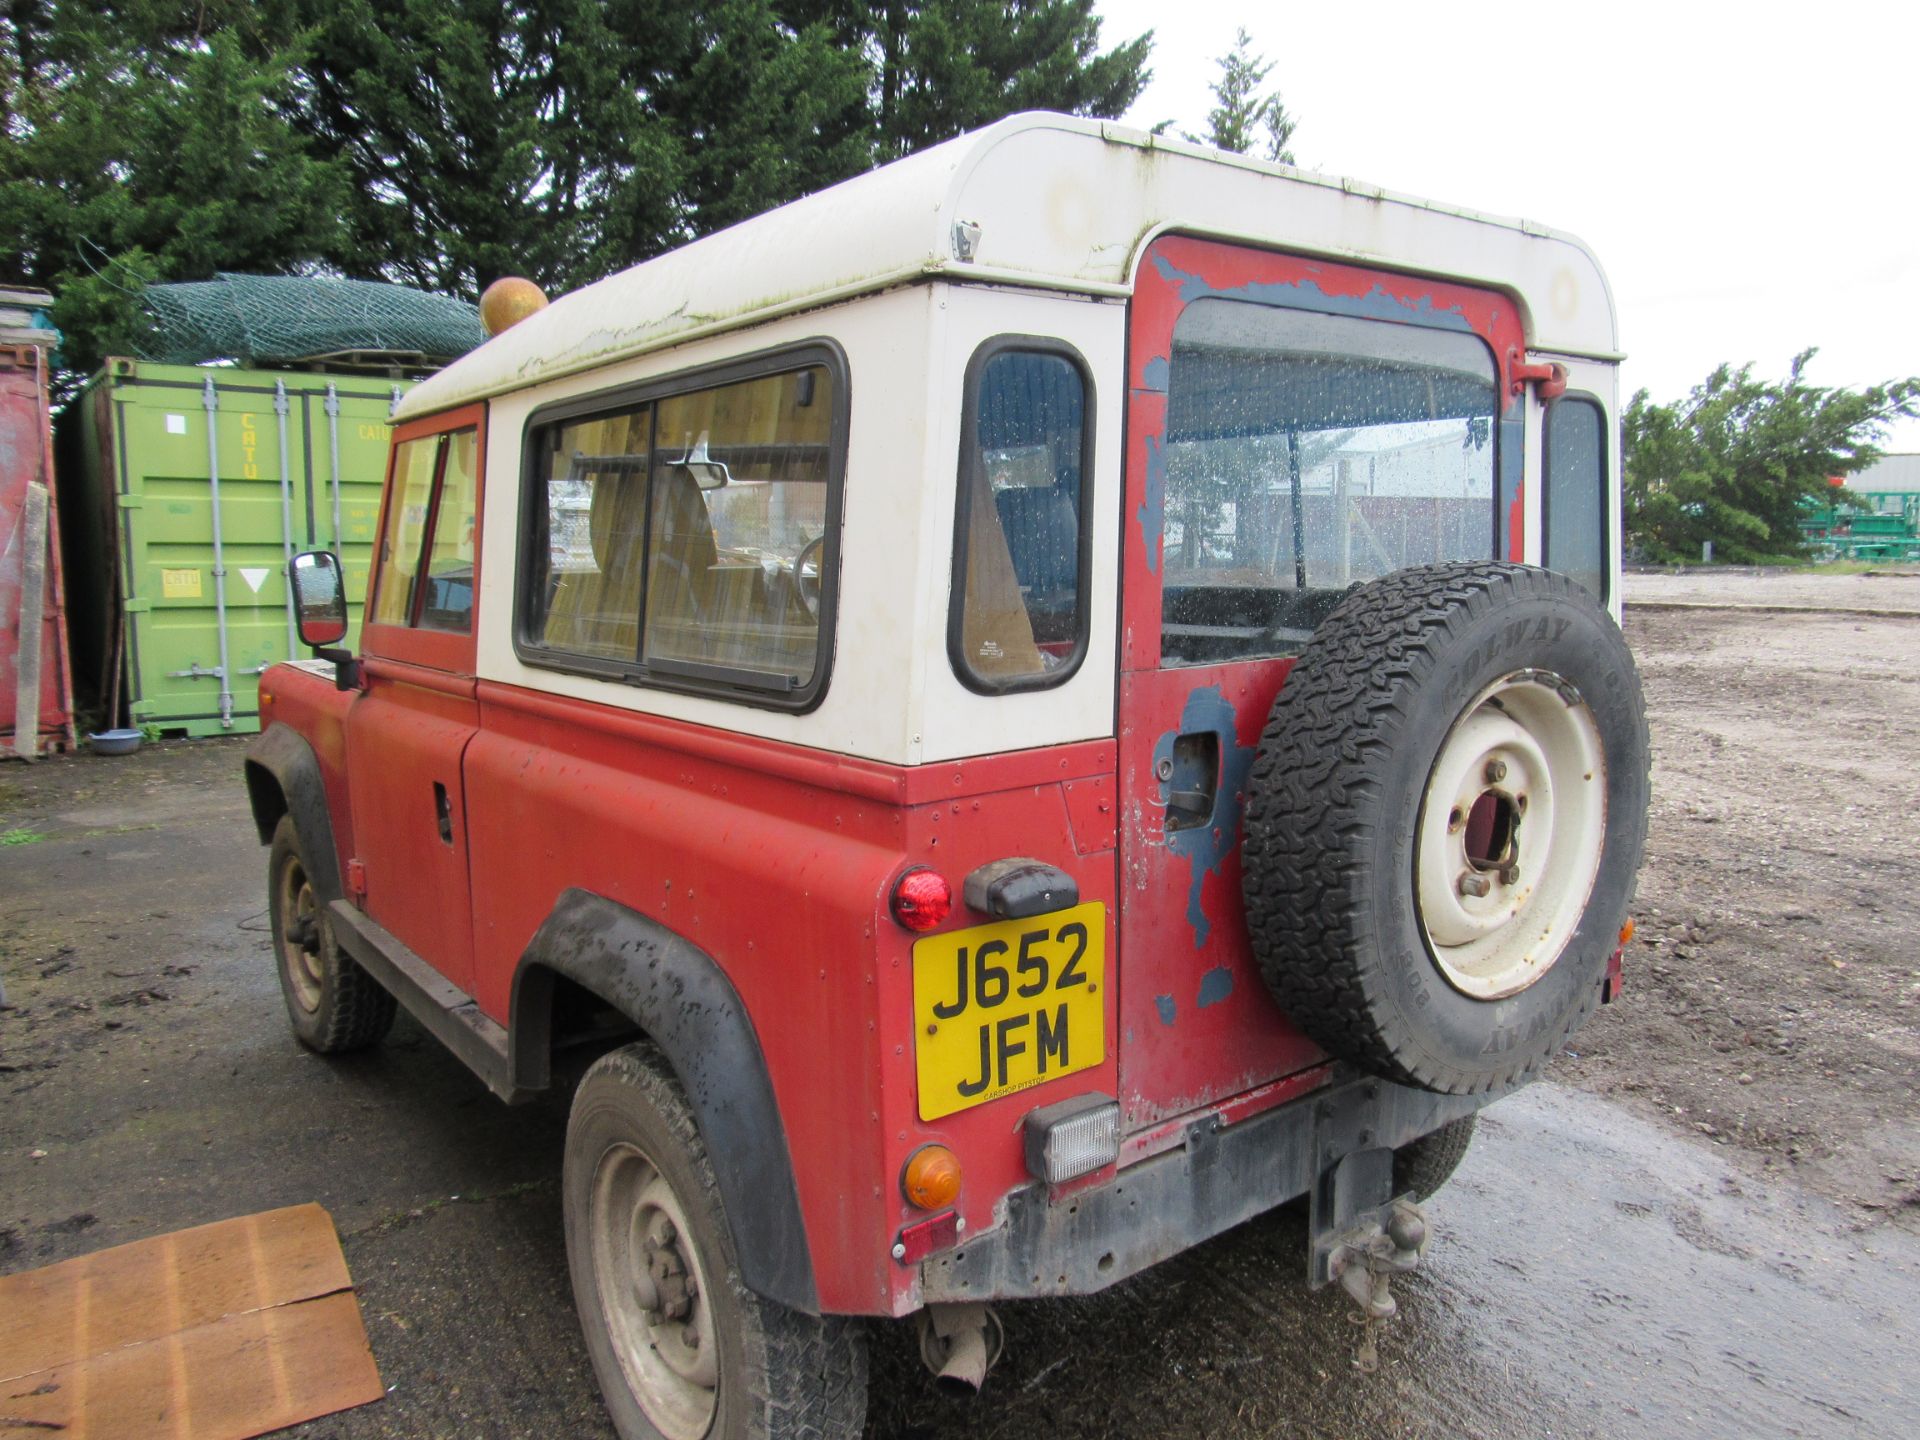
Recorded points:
(1364, 1262)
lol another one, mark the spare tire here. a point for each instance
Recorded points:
(1444, 822)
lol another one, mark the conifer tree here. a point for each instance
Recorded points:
(1242, 114)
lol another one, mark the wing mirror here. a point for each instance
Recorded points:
(320, 612)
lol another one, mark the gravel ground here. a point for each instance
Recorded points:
(1773, 992)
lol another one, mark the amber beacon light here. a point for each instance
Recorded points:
(508, 301)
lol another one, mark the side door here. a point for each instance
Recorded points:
(408, 731)
(1294, 427)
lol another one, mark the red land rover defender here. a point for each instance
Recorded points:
(1021, 710)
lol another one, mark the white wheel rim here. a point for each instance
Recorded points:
(1510, 834)
(642, 1255)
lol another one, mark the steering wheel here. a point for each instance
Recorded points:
(809, 589)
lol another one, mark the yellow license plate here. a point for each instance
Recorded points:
(1008, 1006)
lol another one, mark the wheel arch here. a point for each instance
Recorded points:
(682, 1001)
(283, 778)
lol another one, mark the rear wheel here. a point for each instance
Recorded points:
(333, 1005)
(682, 1348)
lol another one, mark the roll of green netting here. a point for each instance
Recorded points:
(282, 319)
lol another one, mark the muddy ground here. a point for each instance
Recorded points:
(1705, 1224)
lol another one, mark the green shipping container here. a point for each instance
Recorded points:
(188, 611)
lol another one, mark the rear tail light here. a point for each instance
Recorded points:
(921, 899)
(1074, 1138)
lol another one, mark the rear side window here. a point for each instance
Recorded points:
(1575, 519)
(1306, 453)
(686, 538)
(1018, 618)
(426, 549)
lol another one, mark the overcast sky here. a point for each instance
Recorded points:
(1746, 173)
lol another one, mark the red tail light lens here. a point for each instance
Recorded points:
(921, 899)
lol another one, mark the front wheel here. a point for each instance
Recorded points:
(333, 1005)
(682, 1348)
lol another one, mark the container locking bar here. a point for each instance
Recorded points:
(210, 400)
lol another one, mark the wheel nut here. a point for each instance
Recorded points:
(692, 1337)
(1510, 875)
(1496, 771)
(1473, 883)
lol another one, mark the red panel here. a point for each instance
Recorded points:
(758, 853)
(1196, 1017)
(1197, 1024)
(26, 457)
(405, 736)
(1093, 808)
(312, 707)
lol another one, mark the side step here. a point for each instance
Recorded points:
(446, 1010)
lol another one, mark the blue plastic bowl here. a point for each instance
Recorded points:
(114, 742)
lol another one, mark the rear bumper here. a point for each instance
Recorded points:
(1334, 1145)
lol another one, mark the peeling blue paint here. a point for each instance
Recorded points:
(1156, 375)
(1164, 1004)
(1206, 847)
(1376, 304)
(1215, 986)
(1153, 506)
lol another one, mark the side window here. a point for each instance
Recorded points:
(1306, 453)
(686, 537)
(408, 508)
(426, 550)
(1019, 610)
(446, 602)
(1575, 518)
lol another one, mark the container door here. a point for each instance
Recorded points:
(408, 732)
(1294, 427)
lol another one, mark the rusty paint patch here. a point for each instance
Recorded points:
(1156, 375)
(1216, 985)
(1205, 847)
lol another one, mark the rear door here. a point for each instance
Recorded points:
(1294, 427)
(408, 732)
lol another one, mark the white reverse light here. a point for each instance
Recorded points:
(1072, 1138)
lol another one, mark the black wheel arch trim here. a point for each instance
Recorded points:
(679, 996)
(283, 778)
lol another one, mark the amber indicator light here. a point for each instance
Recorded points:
(931, 1180)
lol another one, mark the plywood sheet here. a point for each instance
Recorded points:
(216, 1333)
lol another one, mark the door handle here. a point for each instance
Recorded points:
(1192, 777)
(443, 811)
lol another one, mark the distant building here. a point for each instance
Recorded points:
(1886, 475)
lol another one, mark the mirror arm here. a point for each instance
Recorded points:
(346, 669)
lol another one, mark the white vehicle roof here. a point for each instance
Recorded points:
(1060, 204)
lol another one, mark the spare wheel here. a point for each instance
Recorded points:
(1444, 823)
